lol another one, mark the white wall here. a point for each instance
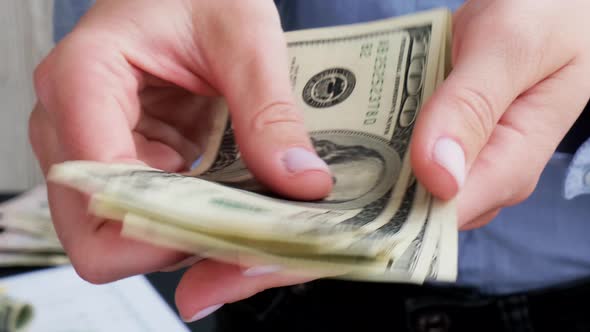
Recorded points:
(25, 37)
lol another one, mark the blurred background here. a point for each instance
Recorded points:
(25, 38)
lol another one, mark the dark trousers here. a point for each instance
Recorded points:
(331, 305)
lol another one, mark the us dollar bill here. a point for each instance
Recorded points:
(361, 88)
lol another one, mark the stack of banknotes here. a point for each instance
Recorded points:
(361, 88)
(27, 236)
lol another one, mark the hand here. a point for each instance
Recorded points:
(519, 81)
(133, 83)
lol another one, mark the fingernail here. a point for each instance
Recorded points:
(449, 154)
(298, 160)
(204, 313)
(196, 163)
(261, 270)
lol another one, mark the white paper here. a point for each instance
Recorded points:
(63, 302)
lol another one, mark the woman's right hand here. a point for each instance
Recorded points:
(128, 85)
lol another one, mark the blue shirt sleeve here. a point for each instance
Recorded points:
(303, 14)
(66, 14)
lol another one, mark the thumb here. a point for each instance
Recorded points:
(453, 126)
(457, 121)
(268, 126)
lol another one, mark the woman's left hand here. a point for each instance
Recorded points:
(520, 79)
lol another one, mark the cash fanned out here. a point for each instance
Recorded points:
(361, 88)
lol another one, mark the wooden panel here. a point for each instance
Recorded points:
(25, 38)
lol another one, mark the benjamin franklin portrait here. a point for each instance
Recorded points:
(363, 167)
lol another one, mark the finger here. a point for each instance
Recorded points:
(492, 68)
(210, 284)
(508, 168)
(43, 138)
(91, 93)
(194, 117)
(480, 221)
(268, 125)
(94, 245)
(157, 154)
(156, 130)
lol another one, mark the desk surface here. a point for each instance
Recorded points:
(164, 282)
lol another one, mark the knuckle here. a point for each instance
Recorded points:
(516, 37)
(41, 78)
(34, 126)
(521, 38)
(40, 137)
(49, 69)
(276, 113)
(479, 112)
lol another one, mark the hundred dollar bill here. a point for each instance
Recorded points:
(208, 246)
(414, 261)
(417, 256)
(361, 88)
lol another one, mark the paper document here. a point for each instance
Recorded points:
(63, 302)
